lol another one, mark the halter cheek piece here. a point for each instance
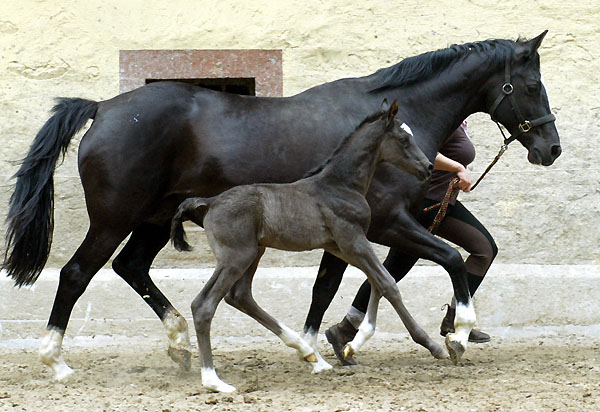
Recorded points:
(524, 124)
(524, 127)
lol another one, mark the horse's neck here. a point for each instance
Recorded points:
(434, 108)
(354, 164)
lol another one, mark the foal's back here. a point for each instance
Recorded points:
(290, 216)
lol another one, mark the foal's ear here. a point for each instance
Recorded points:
(384, 105)
(527, 49)
(392, 112)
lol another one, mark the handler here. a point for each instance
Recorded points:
(459, 227)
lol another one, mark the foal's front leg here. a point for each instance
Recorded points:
(361, 254)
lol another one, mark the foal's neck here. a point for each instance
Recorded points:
(353, 164)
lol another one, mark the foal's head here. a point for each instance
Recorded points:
(400, 149)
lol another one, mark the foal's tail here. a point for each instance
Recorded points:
(30, 217)
(193, 209)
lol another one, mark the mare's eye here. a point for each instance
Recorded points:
(533, 88)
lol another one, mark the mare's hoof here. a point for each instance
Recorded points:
(338, 347)
(182, 357)
(455, 348)
(348, 352)
(312, 358)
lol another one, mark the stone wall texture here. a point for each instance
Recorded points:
(537, 215)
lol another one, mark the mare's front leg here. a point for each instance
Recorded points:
(133, 265)
(358, 252)
(329, 278)
(409, 236)
(240, 297)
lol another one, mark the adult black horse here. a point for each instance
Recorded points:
(149, 149)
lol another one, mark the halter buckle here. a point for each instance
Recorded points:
(507, 88)
(525, 126)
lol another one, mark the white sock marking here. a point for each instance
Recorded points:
(50, 354)
(464, 321)
(211, 381)
(177, 331)
(321, 364)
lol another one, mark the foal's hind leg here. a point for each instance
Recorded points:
(231, 265)
(133, 264)
(97, 247)
(240, 297)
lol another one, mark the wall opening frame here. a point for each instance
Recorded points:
(138, 67)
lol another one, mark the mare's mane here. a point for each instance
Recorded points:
(427, 65)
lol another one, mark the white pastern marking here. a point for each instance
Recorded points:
(464, 321)
(407, 129)
(177, 331)
(293, 340)
(321, 364)
(211, 381)
(50, 354)
(365, 331)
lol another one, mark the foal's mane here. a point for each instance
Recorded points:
(369, 119)
(427, 65)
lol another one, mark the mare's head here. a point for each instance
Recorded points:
(400, 148)
(517, 98)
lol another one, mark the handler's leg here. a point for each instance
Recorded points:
(462, 228)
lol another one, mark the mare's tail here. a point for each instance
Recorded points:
(193, 209)
(30, 217)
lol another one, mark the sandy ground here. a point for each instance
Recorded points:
(554, 373)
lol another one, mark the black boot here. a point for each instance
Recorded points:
(338, 335)
(476, 336)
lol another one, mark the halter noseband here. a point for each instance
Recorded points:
(524, 124)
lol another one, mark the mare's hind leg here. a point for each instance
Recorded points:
(133, 265)
(97, 247)
(240, 297)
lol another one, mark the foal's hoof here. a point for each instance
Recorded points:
(439, 352)
(455, 348)
(182, 357)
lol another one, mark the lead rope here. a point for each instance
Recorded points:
(453, 189)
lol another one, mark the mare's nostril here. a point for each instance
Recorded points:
(556, 150)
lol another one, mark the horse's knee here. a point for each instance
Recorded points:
(454, 262)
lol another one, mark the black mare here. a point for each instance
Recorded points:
(149, 149)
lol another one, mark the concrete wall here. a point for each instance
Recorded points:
(537, 215)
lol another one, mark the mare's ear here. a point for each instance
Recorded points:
(527, 49)
(392, 112)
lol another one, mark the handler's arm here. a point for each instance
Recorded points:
(444, 163)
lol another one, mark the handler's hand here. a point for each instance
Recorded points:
(464, 183)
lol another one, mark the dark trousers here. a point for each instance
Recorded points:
(459, 227)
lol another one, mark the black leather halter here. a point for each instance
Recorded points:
(524, 124)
